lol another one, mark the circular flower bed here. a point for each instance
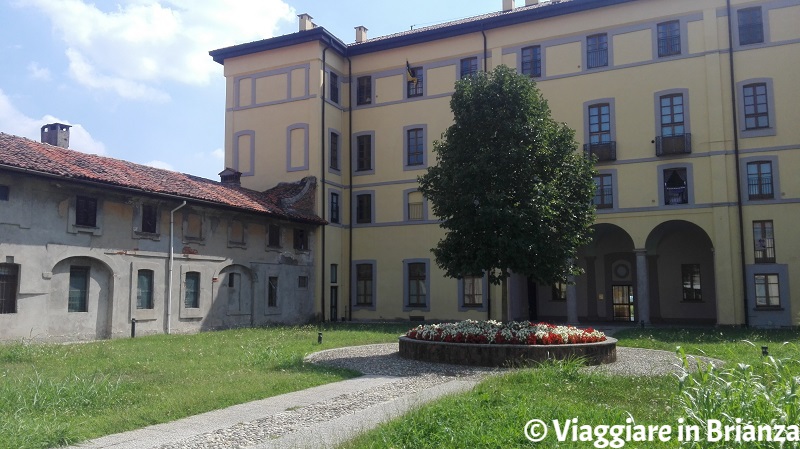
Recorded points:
(513, 333)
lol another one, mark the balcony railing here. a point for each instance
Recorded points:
(681, 144)
(676, 195)
(606, 151)
(760, 188)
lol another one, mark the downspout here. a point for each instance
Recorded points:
(738, 169)
(171, 262)
(322, 184)
(485, 52)
(350, 184)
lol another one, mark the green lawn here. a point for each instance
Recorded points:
(494, 413)
(59, 394)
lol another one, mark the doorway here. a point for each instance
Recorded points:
(622, 300)
(334, 303)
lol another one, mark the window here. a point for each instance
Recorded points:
(559, 291)
(149, 218)
(334, 79)
(675, 186)
(193, 227)
(597, 50)
(274, 236)
(768, 292)
(469, 67)
(191, 295)
(756, 108)
(414, 83)
(672, 117)
(764, 241)
(334, 149)
(751, 26)
(3, 193)
(603, 192)
(86, 211)
(759, 180)
(364, 153)
(300, 239)
(302, 282)
(690, 273)
(669, 38)
(236, 233)
(532, 61)
(416, 206)
(78, 289)
(334, 273)
(144, 289)
(473, 291)
(415, 147)
(334, 207)
(364, 284)
(364, 208)
(417, 285)
(599, 123)
(272, 292)
(8, 288)
(364, 90)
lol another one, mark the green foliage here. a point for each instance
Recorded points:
(764, 394)
(509, 186)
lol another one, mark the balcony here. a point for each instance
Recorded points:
(676, 195)
(604, 152)
(667, 145)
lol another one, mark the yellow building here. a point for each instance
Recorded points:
(687, 104)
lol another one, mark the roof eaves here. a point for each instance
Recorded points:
(300, 37)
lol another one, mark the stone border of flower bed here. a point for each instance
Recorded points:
(505, 355)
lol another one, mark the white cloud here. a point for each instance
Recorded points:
(132, 49)
(12, 121)
(160, 164)
(218, 154)
(39, 73)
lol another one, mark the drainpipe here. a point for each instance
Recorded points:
(738, 169)
(171, 261)
(485, 52)
(322, 184)
(350, 184)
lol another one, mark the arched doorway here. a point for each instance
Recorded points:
(680, 256)
(81, 299)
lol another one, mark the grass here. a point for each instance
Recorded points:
(54, 395)
(494, 413)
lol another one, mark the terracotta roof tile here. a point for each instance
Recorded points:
(25, 154)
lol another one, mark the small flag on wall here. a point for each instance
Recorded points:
(410, 73)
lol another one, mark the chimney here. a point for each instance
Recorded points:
(230, 177)
(508, 5)
(56, 134)
(305, 22)
(361, 34)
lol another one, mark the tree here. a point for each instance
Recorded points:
(512, 192)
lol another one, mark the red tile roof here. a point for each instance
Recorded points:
(39, 158)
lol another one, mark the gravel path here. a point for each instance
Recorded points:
(352, 406)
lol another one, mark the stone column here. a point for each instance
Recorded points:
(572, 301)
(642, 286)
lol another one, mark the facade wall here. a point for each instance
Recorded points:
(230, 257)
(632, 84)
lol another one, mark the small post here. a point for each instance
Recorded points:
(319, 337)
(765, 351)
(133, 327)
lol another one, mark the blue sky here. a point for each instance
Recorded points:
(134, 77)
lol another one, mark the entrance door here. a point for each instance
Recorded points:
(622, 296)
(334, 303)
